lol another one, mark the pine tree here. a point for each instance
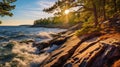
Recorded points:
(101, 10)
(6, 7)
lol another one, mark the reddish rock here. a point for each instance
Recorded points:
(88, 51)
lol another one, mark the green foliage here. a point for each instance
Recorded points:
(87, 28)
(89, 11)
(6, 7)
(72, 18)
(46, 21)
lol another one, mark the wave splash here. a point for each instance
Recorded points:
(24, 55)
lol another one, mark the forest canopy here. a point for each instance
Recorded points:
(91, 12)
(97, 10)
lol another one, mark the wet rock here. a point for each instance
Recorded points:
(27, 41)
(55, 41)
(9, 46)
(41, 45)
(2, 37)
(59, 41)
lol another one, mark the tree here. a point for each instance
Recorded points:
(84, 5)
(6, 7)
(101, 10)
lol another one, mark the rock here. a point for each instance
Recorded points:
(116, 63)
(52, 48)
(27, 41)
(9, 46)
(94, 50)
(55, 41)
(41, 45)
(59, 41)
(2, 37)
(62, 56)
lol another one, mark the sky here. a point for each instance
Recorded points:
(27, 11)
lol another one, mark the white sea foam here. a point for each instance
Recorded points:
(44, 35)
(27, 52)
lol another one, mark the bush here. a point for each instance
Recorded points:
(87, 28)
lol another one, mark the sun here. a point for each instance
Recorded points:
(67, 11)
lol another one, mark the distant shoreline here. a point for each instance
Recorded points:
(36, 26)
(44, 26)
(51, 26)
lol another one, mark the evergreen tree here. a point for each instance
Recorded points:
(101, 10)
(6, 7)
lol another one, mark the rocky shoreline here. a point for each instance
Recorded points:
(91, 50)
(100, 50)
(58, 39)
(68, 50)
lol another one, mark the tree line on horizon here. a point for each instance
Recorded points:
(58, 20)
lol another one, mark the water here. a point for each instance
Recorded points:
(22, 54)
(21, 33)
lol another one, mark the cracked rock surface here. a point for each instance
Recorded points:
(87, 51)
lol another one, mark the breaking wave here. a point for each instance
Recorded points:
(13, 52)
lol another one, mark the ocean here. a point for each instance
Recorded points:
(15, 54)
(8, 33)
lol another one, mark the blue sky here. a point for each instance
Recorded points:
(27, 11)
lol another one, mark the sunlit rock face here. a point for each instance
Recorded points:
(88, 51)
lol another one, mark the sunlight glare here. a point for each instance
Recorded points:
(67, 11)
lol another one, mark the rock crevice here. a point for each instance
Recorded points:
(94, 50)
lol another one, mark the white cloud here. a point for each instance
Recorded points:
(45, 4)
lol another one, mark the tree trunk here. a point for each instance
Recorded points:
(95, 14)
(104, 11)
(115, 5)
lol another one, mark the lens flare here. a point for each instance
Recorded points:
(67, 11)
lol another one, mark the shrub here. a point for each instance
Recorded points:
(87, 28)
